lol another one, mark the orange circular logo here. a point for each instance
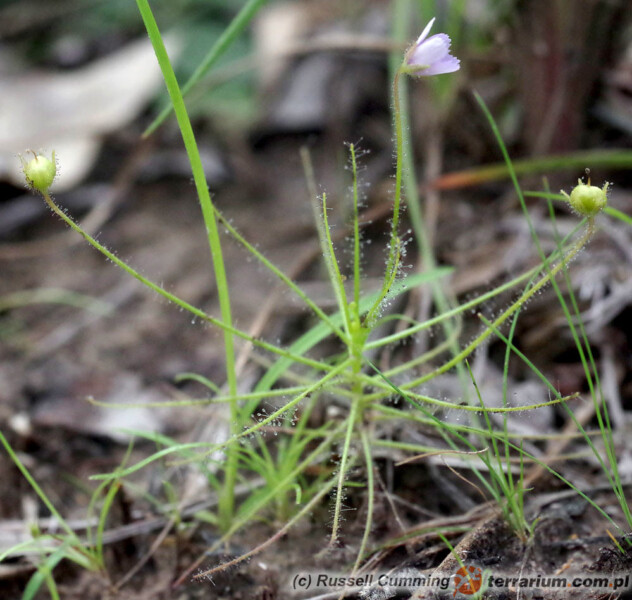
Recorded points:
(468, 580)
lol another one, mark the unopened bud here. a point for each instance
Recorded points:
(588, 199)
(40, 172)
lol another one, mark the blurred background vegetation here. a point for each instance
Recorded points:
(556, 73)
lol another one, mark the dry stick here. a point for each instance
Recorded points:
(143, 561)
(475, 515)
(450, 526)
(481, 535)
(391, 504)
(147, 526)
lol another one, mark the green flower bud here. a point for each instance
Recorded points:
(588, 199)
(40, 172)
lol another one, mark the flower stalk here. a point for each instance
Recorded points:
(427, 56)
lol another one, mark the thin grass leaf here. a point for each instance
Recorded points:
(38, 490)
(229, 35)
(44, 572)
(610, 159)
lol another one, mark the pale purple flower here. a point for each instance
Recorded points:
(431, 56)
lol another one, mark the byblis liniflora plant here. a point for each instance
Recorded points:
(355, 322)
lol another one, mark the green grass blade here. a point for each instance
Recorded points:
(55, 296)
(229, 35)
(576, 161)
(44, 573)
(37, 489)
(208, 213)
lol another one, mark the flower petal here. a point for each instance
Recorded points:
(425, 32)
(434, 49)
(449, 64)
(430, 55)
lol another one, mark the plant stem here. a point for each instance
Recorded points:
(356, 231)
(392, 262)
(342, 473)
(399, 149)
